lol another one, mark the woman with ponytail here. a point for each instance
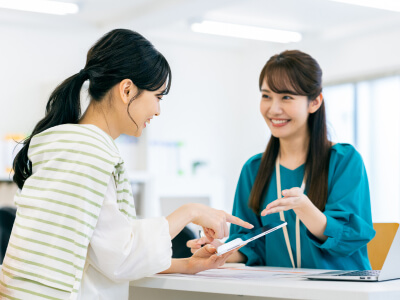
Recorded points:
(318, 187)
(75, 235)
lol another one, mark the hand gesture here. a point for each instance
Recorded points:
(293, 198)
(214, 221)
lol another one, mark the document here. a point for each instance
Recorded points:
(242, 272)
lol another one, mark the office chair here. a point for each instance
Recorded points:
(7, 217)
(379, 246)
(179, 248)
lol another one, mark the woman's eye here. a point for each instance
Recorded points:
(265, 96)
(286, 98)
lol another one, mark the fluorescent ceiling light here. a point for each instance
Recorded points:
(246, 32)
(393, 5)
(41, 6)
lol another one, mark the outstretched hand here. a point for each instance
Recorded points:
(293, 198)
(214, 222)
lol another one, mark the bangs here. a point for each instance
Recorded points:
(162, 74)
(282, 79)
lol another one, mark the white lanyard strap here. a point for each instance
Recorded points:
(282, 217)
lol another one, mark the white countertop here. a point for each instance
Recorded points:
(279, 288)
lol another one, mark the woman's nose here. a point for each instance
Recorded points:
(158, 109)
(275, 107)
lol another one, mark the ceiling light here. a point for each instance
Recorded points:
(246, 32)
(41, 6)
(393, 5)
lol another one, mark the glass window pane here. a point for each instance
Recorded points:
(339, 101)
(378, 137)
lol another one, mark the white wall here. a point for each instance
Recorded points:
(33, 61)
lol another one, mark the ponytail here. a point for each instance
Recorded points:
(63, 107)
(120, 54)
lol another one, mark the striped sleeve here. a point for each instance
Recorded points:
(59, 205)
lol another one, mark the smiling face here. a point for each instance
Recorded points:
(144, 108)
(133, 113)
(290, 83)
(286, 115)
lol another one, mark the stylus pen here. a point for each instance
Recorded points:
(201, 234)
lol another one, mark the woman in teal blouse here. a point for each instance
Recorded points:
(321, 189)
(348, 216)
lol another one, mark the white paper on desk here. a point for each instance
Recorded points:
(247, 273)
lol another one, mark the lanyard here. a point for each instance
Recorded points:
(282, 216)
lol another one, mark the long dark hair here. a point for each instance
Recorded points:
(296, 73)
(120, 54)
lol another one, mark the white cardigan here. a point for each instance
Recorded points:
(122, 250)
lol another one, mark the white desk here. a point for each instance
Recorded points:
(172, 287)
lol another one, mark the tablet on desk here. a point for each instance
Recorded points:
(251, 236)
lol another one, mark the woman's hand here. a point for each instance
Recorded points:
(204, 259)
(293, 198)
(196, 244)
(214, 221)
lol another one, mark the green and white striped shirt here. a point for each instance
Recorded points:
(58, 209)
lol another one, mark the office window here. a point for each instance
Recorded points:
(366, 115)
(339, 101)
(379, 143)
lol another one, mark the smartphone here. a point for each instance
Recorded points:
(250, 236)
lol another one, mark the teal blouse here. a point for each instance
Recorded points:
(348, 212)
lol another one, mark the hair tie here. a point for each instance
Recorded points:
(83, 74)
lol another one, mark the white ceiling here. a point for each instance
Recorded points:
(170, 19)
